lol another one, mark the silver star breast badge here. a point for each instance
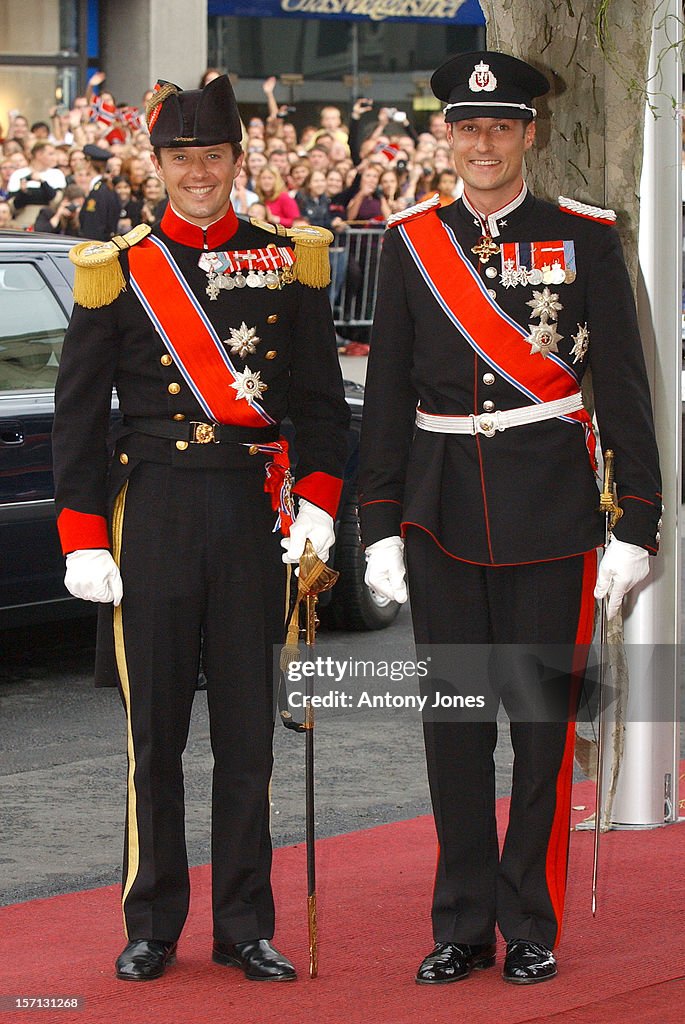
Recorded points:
(243, 340)
(543, 338)
(582, 343)
(545, 304)
(249, 385)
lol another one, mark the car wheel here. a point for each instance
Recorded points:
(353, 606)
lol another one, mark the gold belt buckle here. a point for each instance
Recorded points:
(203, 433)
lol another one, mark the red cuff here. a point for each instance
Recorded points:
(79, 530)
(322, 490)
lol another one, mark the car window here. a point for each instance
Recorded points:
(32, 326)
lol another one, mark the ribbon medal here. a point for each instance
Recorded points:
(251, 268)
(538, 263)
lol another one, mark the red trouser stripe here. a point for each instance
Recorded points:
(557, 849)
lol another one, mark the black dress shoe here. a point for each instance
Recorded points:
(257, 958)
(452, 961)
(145, 959)
(527, 962)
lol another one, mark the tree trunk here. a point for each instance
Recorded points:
(590, 125)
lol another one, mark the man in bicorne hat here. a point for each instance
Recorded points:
(477, 450)
(212, 330)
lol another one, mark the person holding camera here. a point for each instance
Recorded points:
(368, 203)
(390, 187)
(65, 219)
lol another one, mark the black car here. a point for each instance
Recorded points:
(35, 303)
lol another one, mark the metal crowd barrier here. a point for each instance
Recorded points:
(354, 258)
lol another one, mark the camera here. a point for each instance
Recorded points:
(399, 115)
(401, 165)
(284, 111)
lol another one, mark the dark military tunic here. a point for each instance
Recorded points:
(528, 493)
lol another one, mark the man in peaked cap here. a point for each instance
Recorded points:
(212, 329)
(100, 212)
(479, 457)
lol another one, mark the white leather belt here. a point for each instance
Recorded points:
(489, 423)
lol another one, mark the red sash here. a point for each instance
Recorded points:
(188, 334)
(499, 340)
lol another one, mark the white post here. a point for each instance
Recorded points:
(647, 789)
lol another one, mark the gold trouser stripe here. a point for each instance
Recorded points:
(133, 858)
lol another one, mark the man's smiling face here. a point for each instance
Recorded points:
(199, 180)
(488, 155)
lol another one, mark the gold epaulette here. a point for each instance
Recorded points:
(99, 278)
(312, 266)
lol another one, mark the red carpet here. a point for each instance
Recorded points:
(374, 890)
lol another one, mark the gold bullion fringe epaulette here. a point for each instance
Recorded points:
(585, 210)
(99, 277)
(312, 266)
(414, 211)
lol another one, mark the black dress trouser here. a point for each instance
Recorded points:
(203, 583)
(495, 610)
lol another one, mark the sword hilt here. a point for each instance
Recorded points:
(607, 499)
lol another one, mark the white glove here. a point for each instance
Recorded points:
(311, 523)
(385, 571)
(622, 566)
(93, 575)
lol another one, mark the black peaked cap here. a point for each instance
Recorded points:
(486, 83)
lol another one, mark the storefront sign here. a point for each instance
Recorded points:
(460, 12)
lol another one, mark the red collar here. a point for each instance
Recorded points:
(209, 238)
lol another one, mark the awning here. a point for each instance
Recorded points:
(455, 12)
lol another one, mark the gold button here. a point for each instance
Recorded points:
(181, 445)
(488, 406)
(166, 360)
(179, 415)
(271, 354)
(253, 449)
(123, 459)
(492, 293)
(174, 388)
(272, 319)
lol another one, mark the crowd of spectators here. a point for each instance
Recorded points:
(331, 174)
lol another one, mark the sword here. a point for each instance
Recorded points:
(315, 577)
(612, 513)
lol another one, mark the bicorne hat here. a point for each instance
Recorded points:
(194, 117)
(488, 84)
